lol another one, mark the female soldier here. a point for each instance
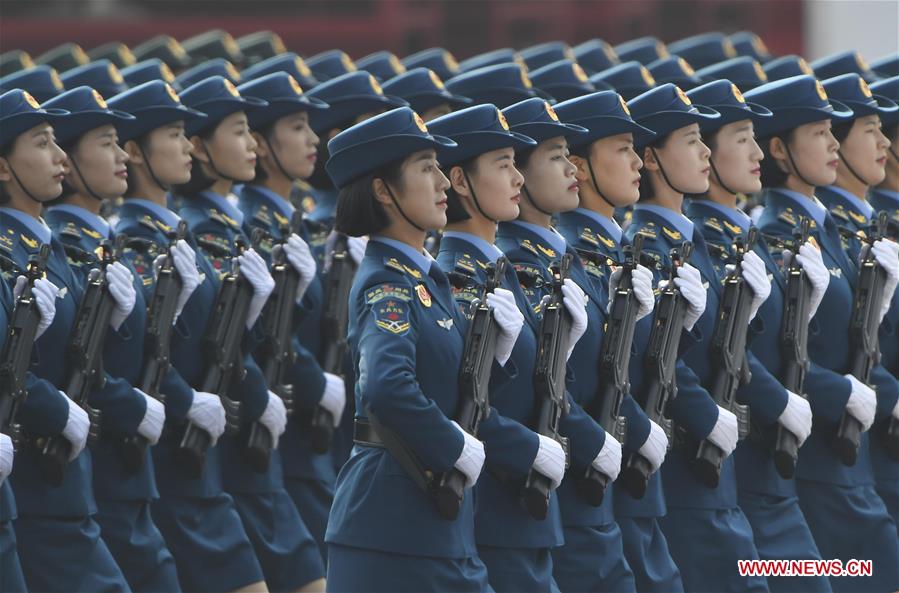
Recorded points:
(60, 544)
(707, 531)
(406, 336)
(847, 518)
(286, 149)
(97, 172)
(486, 188)
(197, 518)
(606, 153)
(592, 557)
(768, 501)
(886, 197)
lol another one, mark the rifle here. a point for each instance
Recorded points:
(85, 354)
(614, 367)
(224, 334)
(660, 365)
(276, 353)
(863, 327)
(794, 346)
(335, 318)
(157, 353)
(474, 379)
(549, 384)
(16, 356)
(731, 369)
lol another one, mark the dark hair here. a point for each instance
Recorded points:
(647, 191)
(266, 132)
(455, 211)
(358, 212)
(199, 181)
(144, 143)
(772, 174)
(320, 178)
(841, 129)
(891, 131)
(67, 189)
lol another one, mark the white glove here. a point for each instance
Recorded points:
(6, 455)
(184, 258)
(656, 446)
(300, 258)
(887, 255)
(151, 424)
(689, 281)
(472, 458)
(77, 426)
(44, 293)
(550, 460)
(641, 280)
(575, 300)
(862, 402)
(812, 262)
(255, 270)
(509, 320)
(356, 248)
(797, 417)
(207, 412)
(724, 434)
(121, 287)
(609, 459)
(274, 417)
(895, 412)
(756, 276)
(334, 397)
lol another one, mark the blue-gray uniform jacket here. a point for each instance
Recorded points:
(590, 232)
(406, 335)
(47, 415)
(263, 209)
(7, 501)
(531, 250)
(216, 227)
(321, 221)
(693, 408)
(720, 226)
(828, 343)
(500, 518)
(81, 232)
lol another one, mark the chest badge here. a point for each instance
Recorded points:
(423, 295)
(446, 324)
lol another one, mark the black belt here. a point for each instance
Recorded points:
(365, 434)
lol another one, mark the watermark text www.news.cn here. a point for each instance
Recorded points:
(806, 568)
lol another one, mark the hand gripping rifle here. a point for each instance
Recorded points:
(85, 358)
(614, 367)
(157, 337)
(863, 327)
(549, 384)
(276, 353)
(16, 356)
(731, 370)
(660, 362)
(224, 334)
(474, 379)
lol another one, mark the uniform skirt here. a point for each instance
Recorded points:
(706, 545)
(11, 578)
(207, 539)
(289, 556)
(313, 500)
(137, 545)
(646, 551)
(780, 532)
(592, 559)
(66, 554)
(851, 522)
(512, 570)
(372, 571)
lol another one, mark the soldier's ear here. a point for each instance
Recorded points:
(649, 159)
(5, 171)
(135, 154)
(582, 174)
(199, 151)
(261, 145)
(381, 192)
(459, 182)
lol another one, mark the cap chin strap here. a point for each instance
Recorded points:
(720, 179)
(22, 185)
(524, 190)
(893, 152)
(160, 184)
(403, 214)
(214, 168)
(795, 168)
(664, 174)
(89, 189)
(278, 164)
(596, 184)
(851, 170)
(474, 197)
